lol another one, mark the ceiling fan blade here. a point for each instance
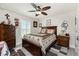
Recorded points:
(34, 5)
(44, 13)
(46, 8)
(39, 7)
(32, 11)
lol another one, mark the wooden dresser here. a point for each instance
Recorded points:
(7, 33)
(63, 40)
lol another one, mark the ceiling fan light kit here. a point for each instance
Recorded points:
(38, 12)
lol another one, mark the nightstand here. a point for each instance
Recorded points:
(63, 40)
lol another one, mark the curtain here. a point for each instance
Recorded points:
(25, 27)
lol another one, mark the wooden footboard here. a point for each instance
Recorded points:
(34, 49)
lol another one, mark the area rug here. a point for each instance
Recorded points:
(18, 53)
(57, 50)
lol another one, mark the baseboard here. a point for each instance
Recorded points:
(71, 46)
(18, 46)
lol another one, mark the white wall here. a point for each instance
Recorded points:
(34, 29)
(57, 21)
(18, 29)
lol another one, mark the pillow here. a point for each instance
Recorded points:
(50, 31)
(43, 31)
(4, 51)
(1, 46)
(0, 50)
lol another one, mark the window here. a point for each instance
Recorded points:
(25, 27)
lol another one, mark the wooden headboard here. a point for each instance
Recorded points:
(51, 27)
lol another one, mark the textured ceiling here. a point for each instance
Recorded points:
(56, 8)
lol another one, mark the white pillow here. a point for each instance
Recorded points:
(5, 51)
(43, 31)
(50, 31)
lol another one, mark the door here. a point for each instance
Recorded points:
(77, 35)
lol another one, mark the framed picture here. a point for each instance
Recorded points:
(16, 21)
(35, 23)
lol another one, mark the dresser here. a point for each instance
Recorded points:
(63, 40)
(7, 33)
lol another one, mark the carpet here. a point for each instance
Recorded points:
(18, 53)
(57, 50)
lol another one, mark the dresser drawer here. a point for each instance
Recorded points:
(63, 41)
(64, 44)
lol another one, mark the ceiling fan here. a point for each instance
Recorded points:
(39, 10)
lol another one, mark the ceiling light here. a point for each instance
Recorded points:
(38, 12)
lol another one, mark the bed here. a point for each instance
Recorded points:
(42, 41)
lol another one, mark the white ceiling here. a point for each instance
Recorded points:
(56, 8)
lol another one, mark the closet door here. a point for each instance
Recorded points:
(77, 35)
